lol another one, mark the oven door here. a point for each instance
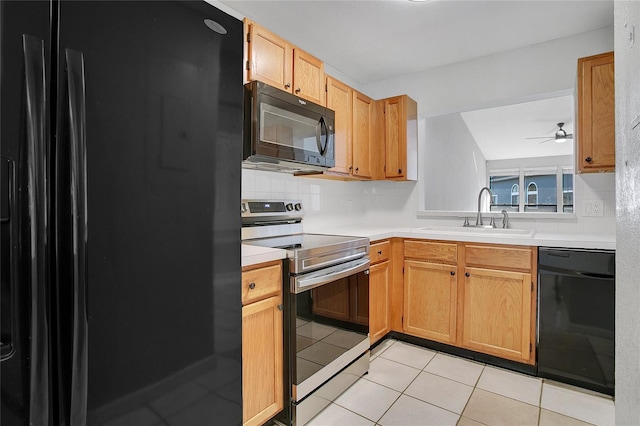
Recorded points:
(330, 324)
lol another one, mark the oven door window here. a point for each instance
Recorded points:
(330, 320)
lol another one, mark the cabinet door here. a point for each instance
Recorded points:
(270, 58)
(363, 135)
(430, 299)
(379, 301)
(262, 359)
(395, 137)
(308, 77)
(497, 313)
(596, 114)
(339, 99)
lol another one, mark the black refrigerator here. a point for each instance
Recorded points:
(121, 137)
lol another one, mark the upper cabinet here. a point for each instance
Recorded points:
(340, 100)
(274, 61)
(595, 133)
(364, 136)
(400, 136)
(355, 132)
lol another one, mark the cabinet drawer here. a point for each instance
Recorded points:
(437, 252)
(498, 257)
(261, 282)
(379, 252)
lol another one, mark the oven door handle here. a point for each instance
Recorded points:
(327, 275)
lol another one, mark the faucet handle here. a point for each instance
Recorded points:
(493, 222)
(466, 221)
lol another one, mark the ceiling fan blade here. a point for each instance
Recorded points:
(570, 136)
(550, 139)
(539, 137)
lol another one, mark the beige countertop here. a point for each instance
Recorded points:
(252, 255)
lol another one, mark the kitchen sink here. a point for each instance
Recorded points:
(472, 230)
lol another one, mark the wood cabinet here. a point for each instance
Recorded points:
(340, 100)
(273, 60)
(595, 131)
(497, 313)
(430, 290)
(480, 297)
(498, 299)
(400, 138)
(356, 153)
(364, 136)
(379, 290)
(262, 344)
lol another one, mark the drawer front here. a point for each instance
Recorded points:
(379, 252)
(261, 282)
(436, 252)
(498, 257)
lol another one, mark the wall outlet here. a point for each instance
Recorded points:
(593, 208)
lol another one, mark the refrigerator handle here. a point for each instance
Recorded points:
(75, 75)
(34, 170)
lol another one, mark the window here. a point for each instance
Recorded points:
(515, 194)
(502, 191)
(545, 189)
(567, 191)
(532, 195)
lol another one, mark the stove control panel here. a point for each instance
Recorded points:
(253, 210)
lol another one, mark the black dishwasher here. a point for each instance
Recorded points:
(576, 317)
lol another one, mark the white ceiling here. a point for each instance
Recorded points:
(378, 39)
(502, 132)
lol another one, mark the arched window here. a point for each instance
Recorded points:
(515, 193)
(532, 194)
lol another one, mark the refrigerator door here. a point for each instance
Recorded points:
(24, 129)
(149, 328)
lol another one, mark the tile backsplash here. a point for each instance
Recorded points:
(333, 203)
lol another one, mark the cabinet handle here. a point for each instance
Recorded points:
(466, 274)
(350, 168)
(588, 159)
(380, 252)
(357, 168)
(399, 171)
(453, 273)
(298, 90)
(286, 86)
(252, 285)
(280, 307)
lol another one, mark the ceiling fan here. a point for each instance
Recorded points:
(560, 136)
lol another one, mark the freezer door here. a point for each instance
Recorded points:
(150, 325)
(25, 233)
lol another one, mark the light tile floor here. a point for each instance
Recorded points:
(409, 385)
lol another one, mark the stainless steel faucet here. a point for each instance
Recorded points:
(505, 219)
(479, 216)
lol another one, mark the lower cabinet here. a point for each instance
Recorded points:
(497, 313)
(262, 356)
(479, 297)
(430, 294)
(379, 280)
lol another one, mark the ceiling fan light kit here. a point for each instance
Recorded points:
(560, 135)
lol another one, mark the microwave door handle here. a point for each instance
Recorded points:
(322, 149)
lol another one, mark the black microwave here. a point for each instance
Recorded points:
(286, 133)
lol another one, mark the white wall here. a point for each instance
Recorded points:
(500, 79)
(627, 64)
(454, 166)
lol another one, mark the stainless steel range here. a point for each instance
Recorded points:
(326, 293)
